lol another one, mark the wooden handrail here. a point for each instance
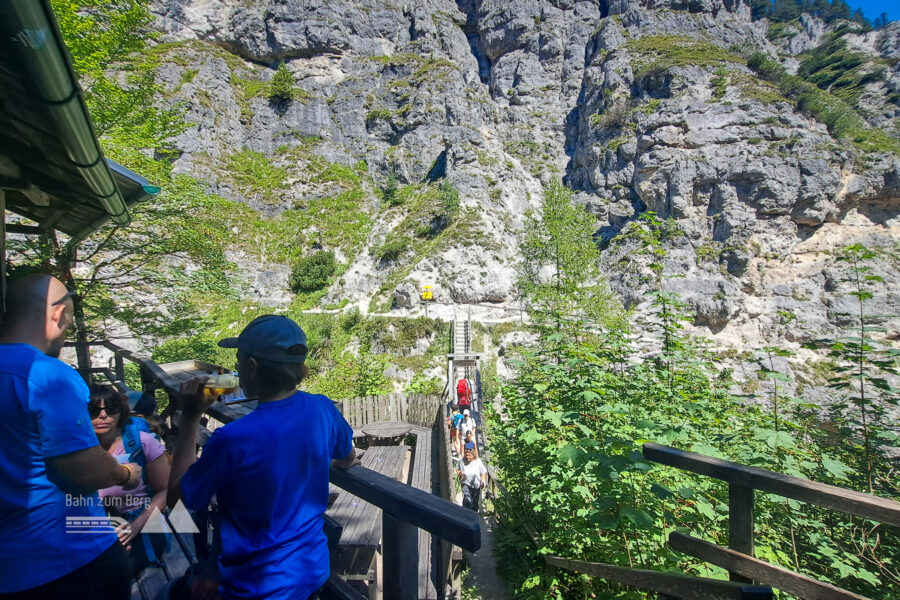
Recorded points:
(169, 384)
(670, 584)
(742, 481)
(426, 511)
(868, 506)
(783, 579)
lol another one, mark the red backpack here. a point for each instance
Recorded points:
(462, 391)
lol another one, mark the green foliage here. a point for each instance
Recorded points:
(281, 88)
(614, 117)
(834, 68)
(254, 175)
(419, 69)
(659, 53)
(719, 83)
(842, 121)
(787, 11)
(389, 190)
(560, 239)
(574, 419)
(392, 249)
(101, 36)
(448, 196)
(424, 385)
(862, 366)
(431, 209)
(313, 272)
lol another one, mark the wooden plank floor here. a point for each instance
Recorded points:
(420, 477)
(362, 521)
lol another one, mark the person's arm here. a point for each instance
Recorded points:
(75, 461)
(158, 480)
(348, 461)
(86, 471)
(193, 403)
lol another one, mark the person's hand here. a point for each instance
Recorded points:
(193, 400)
(125, 535)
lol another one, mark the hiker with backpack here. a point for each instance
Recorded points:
(464, 394)
(127, 439)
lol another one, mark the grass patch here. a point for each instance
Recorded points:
(659, 53)
(255, 175)
(421, 69)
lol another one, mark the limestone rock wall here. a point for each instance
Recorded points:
(502, 97)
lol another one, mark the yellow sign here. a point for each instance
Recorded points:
(427, 293)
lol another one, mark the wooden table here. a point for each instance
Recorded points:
(386, 430)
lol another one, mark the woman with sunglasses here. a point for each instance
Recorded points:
(110, 416)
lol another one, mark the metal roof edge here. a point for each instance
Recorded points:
(32, 27)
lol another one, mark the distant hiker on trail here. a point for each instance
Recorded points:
(473, 475)
(122, 438)
(453, 422)
(466, 424)
(268, 470)
(469, 444)
(51, 464)
(464, 394)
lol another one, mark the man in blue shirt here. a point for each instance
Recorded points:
(51, 465)
(268, 470)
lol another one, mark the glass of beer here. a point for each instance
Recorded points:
(221, 385)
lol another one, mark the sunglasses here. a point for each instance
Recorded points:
(94, 409)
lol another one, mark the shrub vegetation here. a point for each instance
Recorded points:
(313, 272)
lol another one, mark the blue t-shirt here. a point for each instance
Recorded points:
(43, 403)
(269, 472)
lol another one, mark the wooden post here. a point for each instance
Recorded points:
(400, 543)
(740, 523)
(120, 367)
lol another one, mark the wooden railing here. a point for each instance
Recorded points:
(152, 376)
(404, 509)
(742, 481)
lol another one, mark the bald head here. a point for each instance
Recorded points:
(38, 312)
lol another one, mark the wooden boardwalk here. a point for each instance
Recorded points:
(362, 521)
(420, 477)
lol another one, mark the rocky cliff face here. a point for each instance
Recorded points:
(639, 105)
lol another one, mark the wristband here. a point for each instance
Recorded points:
(128, 478)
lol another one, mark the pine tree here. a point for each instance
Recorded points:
(560, 277)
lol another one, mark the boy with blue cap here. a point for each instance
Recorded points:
(268, 470)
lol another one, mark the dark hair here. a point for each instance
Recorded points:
(278, 377)
(110, 395)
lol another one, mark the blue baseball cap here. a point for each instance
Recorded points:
(274, 338)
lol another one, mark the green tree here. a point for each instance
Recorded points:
(863, 364)
(104, 38)
(281, 89)
(559, 277)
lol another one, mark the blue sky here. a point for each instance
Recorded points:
(873, 8)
